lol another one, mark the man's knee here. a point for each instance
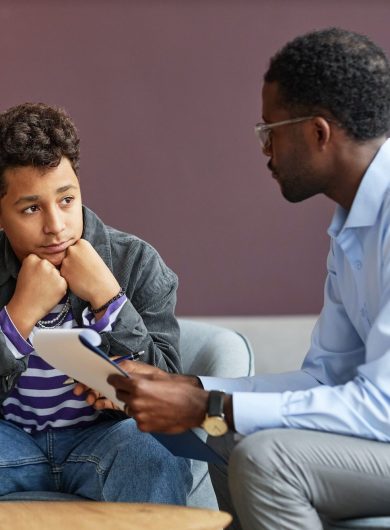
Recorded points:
(268, 482)
(261, 451)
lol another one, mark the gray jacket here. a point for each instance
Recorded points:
(146, 321)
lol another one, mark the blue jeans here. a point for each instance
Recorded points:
(109, 461)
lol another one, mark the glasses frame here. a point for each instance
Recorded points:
(263, 130)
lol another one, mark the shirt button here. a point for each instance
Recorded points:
(358, 264)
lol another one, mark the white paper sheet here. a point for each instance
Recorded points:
(62, 349)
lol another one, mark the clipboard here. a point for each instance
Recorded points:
(75, 352)
(189, 445)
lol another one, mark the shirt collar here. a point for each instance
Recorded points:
(369, 197)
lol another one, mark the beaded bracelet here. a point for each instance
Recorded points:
(104, 306)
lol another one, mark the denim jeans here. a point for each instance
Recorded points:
(109, 461)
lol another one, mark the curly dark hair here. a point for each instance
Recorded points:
(35, 134)
(338, 71)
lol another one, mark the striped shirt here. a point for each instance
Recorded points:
(40, 400)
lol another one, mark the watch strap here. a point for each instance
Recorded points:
(215, 403)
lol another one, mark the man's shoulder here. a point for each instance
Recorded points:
(386, 201)
(383, 221)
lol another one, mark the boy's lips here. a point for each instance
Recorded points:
(57, 247)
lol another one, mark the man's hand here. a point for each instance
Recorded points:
(87, 275)
(94, 398)
(97, 400)
(172, 404)
(39, 288)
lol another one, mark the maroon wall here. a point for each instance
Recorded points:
(165, 95)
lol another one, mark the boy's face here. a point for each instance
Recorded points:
(41, 211)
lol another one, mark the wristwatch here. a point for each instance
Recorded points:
(214, 422)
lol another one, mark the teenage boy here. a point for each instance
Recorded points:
(60, 266)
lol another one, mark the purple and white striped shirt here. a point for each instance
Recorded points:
(40, 400)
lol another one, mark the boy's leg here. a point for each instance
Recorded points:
(23, 465)
(114, 461)
(285, 478)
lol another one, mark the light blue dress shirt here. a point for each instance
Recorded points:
(344, 384)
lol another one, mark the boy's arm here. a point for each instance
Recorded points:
(151, 326)
(146, 319)
(14, 350)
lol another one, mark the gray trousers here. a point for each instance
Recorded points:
(288, 479)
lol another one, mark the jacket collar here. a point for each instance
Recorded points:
(95, 231)
(9, 263)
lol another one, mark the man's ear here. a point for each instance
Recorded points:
(322, 130)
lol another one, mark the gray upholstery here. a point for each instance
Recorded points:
(366, 523)
(212, 350)
(206, 350)
(215, 351)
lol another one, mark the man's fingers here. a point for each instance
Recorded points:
(80, 389)
(93, 397)
(122, 395)
(119, 381)
(104, 403)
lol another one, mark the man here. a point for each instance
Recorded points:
(60, 266)
(316, 440)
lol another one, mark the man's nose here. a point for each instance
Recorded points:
(267, 149)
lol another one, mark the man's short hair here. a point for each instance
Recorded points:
(38, 135)
(338, 72)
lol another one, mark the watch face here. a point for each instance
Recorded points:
(215, 426)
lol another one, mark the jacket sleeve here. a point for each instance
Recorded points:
(13, 355)
(147, 321)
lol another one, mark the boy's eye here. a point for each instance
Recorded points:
(67, 200)
(31, 209)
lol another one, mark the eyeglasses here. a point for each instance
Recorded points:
(263, 130)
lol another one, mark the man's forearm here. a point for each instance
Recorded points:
(228, 399)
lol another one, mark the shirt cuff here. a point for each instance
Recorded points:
(18, 346)
(105, 323)
(255, 411)
(228, 385)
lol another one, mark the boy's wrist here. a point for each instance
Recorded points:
(95, 308)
